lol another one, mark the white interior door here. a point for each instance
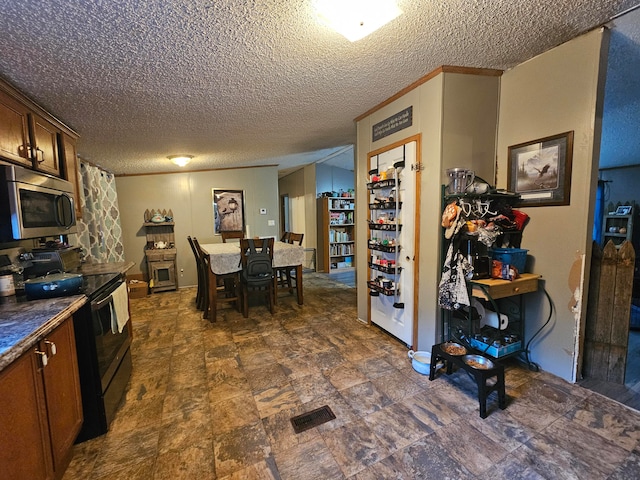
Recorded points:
(394, 313)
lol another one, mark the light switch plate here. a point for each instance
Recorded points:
(263, 211)
(272, 223)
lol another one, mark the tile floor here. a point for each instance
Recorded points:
(214, 401)
(629, 393)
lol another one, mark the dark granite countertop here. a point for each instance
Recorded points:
(23, 324)
(90, 268)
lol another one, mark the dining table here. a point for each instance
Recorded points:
(225, 259)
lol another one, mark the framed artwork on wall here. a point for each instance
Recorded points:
(228, 211)
(540, 170)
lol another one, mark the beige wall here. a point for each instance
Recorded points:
(301, 188)
(189, 196)
(293, 186)
(470, 113)
(556, 92)
(456, 115)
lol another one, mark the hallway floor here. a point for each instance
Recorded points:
(214, 401)
(629, 393)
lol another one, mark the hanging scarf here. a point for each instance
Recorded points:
(453, 293)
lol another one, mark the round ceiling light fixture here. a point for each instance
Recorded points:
(180, 160)
(356, 19)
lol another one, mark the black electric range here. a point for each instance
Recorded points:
(104, 356)
(94, 285)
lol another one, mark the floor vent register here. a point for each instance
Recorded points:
(312, 419)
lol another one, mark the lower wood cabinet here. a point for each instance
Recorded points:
(162, 275)
(41, 408)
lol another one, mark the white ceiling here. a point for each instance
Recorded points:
(250, 82)
(620, 143)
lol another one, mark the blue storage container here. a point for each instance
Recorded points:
(516, 257)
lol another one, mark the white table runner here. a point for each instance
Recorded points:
(225, 257)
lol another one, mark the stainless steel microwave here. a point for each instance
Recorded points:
(34, 204)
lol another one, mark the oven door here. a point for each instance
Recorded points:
(110, 347)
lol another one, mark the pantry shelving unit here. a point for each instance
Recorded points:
(384, 227)
(392, 181)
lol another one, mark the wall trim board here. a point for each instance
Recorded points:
(191, 171)
(417, 138)
(443, 69)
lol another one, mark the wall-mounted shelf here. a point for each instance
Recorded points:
(617, 228)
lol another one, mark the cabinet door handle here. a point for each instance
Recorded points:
(23, 151)
(39, 150)
(52, 347)
(43, 358)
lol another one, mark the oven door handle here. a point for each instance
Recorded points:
(99, 302)
(97, 305)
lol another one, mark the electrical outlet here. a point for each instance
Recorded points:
(263, 211)
(272, 223)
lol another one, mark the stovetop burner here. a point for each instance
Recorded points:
(93, 285)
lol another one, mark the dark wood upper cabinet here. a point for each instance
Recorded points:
(44, 145)
(32, 137)
(14, 130)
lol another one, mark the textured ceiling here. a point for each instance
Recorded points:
(250, 82)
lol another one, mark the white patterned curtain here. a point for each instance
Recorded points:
(99, 230)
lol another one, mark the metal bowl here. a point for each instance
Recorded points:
(450, 347)
(478, 361)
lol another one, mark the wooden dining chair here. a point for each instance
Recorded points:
(231, 235)
(295, 237)
(218, 288)
(256, 276)
(286, 276)
(200, 300)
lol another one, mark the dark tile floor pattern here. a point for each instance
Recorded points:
(214, 401)
(629, 393)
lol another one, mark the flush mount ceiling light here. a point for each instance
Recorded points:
(180, 160)
(356, 19)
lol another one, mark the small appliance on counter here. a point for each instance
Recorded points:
(46, 260)
(13, 262)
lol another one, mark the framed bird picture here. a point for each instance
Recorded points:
(540, 171)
